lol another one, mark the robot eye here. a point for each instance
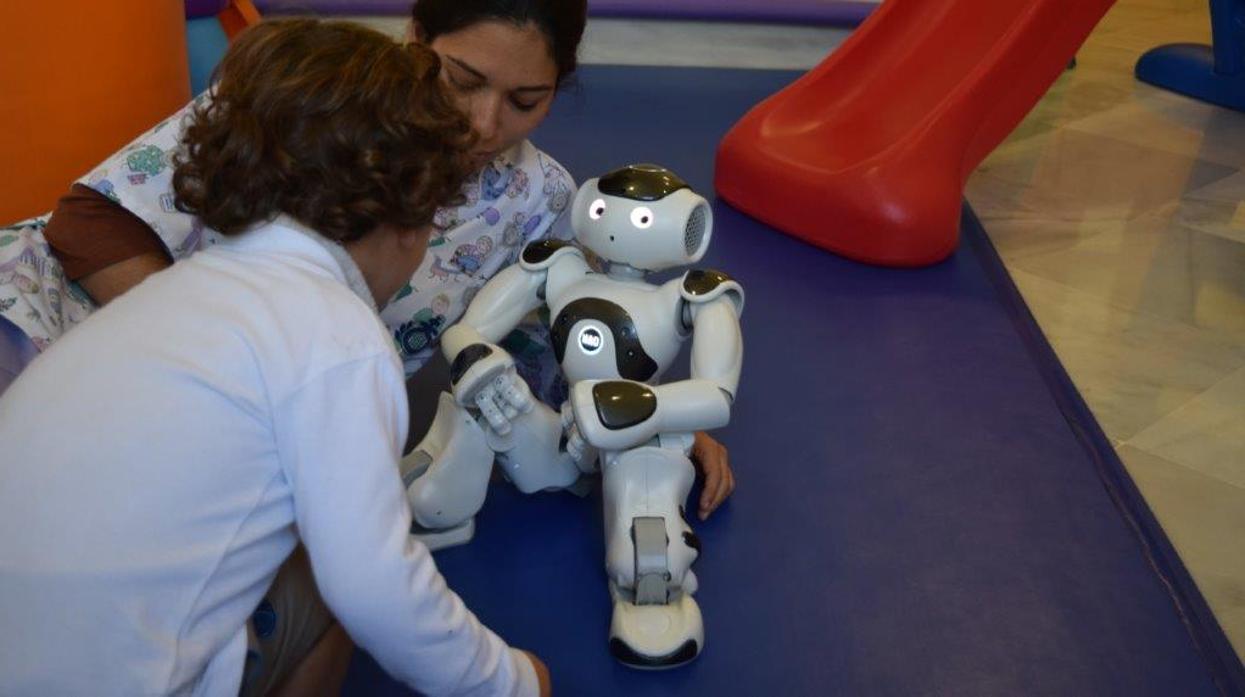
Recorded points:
(642, 217)
(596, 209)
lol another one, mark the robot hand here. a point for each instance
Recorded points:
(613, 414)
(484, 378)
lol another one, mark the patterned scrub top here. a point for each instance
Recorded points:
(521, 196)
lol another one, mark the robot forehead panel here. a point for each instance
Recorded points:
(641, 182)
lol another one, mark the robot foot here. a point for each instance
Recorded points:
(656, 637)
(436, 539)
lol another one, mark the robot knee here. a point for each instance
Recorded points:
(434, 509)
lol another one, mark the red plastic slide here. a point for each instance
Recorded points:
(867, 154)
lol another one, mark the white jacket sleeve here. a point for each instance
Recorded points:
(340, 438)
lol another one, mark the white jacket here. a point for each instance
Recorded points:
(223, 410)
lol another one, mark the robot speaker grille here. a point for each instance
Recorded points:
(695, 231)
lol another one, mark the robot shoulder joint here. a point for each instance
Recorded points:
(704, 285)
(541, 254)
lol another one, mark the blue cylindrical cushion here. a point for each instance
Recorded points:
(206, 43)
(16, 352)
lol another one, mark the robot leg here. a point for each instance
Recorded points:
(446, 477)
(649, 551)
(532, 455)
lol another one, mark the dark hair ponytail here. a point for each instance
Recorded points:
(561, 21)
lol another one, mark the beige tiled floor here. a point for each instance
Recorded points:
(1120, 211)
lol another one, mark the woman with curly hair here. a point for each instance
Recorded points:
(252, 401)
(503, 61)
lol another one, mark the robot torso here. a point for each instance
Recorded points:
(608, 328)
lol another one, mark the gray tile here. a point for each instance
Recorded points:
(1154, 266)
(1207, 434)
(708, 44)
(1132, 368)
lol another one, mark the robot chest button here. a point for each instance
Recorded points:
(591, 341)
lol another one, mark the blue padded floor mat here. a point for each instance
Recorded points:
(924, 507)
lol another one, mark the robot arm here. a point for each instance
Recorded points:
(621, 414)
(500, 305)
(717, 346)
(482, 374)
(506, 299)
(712, 304)
(618, 414)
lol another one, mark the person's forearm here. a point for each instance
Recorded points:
(111, 281)
(339, 436)
(101, 244)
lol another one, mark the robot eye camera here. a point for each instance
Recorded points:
(644, 216)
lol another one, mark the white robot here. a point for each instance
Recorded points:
(614, 335)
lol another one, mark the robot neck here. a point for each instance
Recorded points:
(616, 269)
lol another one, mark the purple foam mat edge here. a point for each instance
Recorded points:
(196, 9)
(836, 12)
(394, 8)
(1227, 669)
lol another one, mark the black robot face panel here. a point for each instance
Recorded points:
(641, 183)
(632, 361)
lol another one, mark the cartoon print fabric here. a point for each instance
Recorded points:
(519, 197)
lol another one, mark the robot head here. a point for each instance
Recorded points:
(644, 216)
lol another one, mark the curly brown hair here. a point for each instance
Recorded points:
(329, 122)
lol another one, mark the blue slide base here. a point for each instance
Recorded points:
(207, 44)
(1189, 69)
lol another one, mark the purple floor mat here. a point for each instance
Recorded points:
(925, 504)
(833, 12)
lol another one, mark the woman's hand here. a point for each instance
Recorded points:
(713, 463)
(542, 674)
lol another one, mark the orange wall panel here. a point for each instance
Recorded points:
(78, 80)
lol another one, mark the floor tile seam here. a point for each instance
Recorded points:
(1150, 216)
(1239, 349)
(1082, 129)
(1167, 460)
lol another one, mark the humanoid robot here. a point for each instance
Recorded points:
(614, 335)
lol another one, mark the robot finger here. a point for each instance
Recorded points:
(507, 409)
(575, 444)
(494, 416)
(512, 392)
(499, 391)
